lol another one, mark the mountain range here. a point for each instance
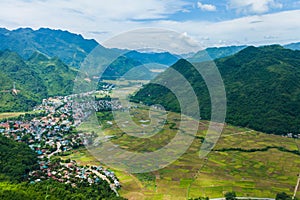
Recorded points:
(69, 47)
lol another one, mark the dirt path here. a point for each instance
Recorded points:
(298, 181)
(107, 180)
(297, 186)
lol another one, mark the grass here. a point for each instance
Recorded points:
(10, 115)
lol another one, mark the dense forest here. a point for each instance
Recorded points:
(262, 88)
(16, 160)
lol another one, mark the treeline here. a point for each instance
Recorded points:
(257, 150)
(53, 190)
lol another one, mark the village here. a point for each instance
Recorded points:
(52, 132)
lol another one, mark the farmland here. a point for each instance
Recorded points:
(246, 161)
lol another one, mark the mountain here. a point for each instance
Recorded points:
(262, 87)
(214, 53)
(164, 58)
(71, 48)
(293, 46)
(34, 79)
(127, 68)
(57, 76)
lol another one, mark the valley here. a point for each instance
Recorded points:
(63, 124)
(251, 163)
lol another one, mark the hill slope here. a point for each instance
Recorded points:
(70, 48)
(35, 79)
(262, 88)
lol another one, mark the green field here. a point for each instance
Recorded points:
(10, 115)
(251, 163)
(261, 173)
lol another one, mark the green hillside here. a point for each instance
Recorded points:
(57, 76)
(123, 65)
(262, 88)
(16, 160)
(34, 79)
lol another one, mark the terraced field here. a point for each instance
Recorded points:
(251, 163)
(246, 161)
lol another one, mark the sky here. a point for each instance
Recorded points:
(207, 22)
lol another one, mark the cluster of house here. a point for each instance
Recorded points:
(292, 135)
(47, 135)
(52, 134)
(69, 172)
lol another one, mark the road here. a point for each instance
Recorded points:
(297, 186)
(107, 180)
(57, 151)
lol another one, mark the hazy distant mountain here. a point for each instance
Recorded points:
(262, 87)
(293, 46)
(214, 53)
(164, 58)
(70, 48)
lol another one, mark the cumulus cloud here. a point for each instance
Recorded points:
(254, 6)
(206, 7)
(101, 21)
(283, 27)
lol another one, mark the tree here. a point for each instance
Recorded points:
(283, 196)
(230, 196)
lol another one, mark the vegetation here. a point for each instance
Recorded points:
(34, 79)
(54, 190)
(230, 196)
(16, 160)
(127, 67)
(283, 196)
(262, 88)
(164, 58)
(241, 161)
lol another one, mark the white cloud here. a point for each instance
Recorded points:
(102, 20)
(254, 6)
(206, 7)
(283, 27)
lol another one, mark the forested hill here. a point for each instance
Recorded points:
(262, 87)
(71, 48)
(34, 79)
(16, 160)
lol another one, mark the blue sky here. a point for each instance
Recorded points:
(208, 22)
